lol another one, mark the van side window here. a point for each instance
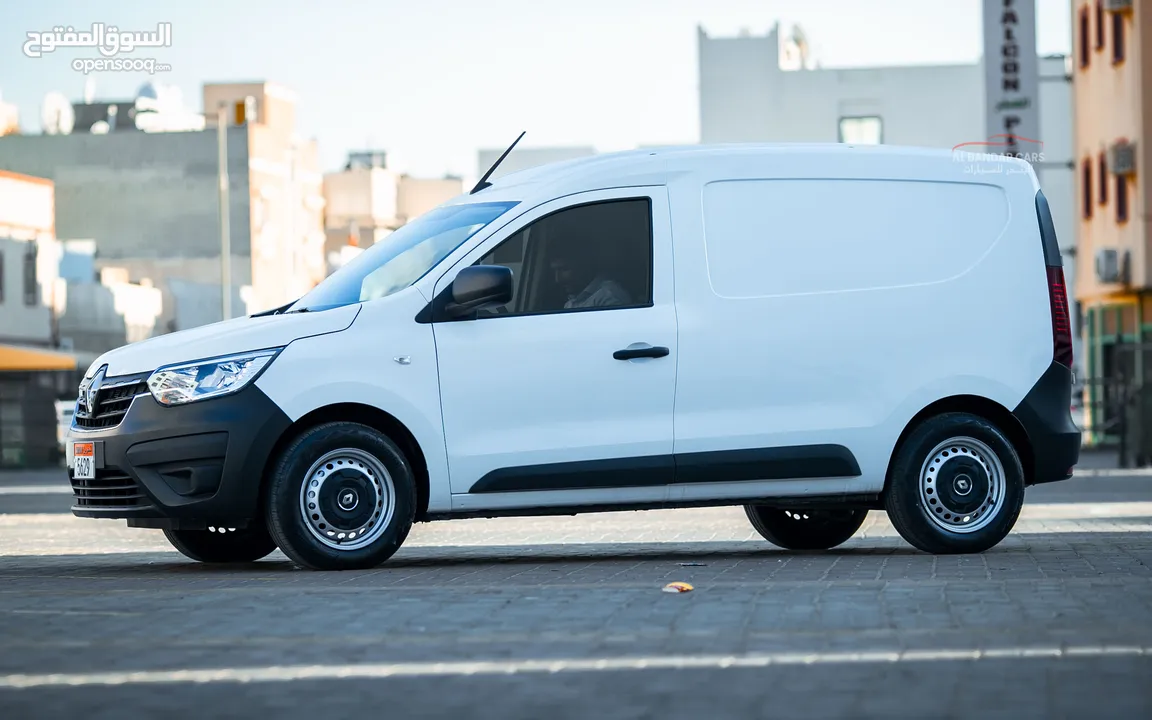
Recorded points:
(588, 257)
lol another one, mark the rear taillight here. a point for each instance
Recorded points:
(1061, 324)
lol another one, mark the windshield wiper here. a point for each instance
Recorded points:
(298, 310)
(276, 311)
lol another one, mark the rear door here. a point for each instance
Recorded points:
(536, 397)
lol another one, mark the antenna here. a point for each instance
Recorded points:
(484, 180)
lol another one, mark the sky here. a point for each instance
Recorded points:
(431, 81)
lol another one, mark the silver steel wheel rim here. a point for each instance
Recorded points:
(946, 487)
(334, 518)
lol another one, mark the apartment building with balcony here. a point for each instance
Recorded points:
(1112, 82)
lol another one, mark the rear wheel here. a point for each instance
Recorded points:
(341, 497)
(223, 545)
(956, 485)
(805, 529)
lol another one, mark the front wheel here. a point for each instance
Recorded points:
(223, 545)
(956, 485)
(805, 529)
(341, 497)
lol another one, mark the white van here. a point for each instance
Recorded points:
(811, 332)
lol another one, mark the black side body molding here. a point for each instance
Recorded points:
(843, 501)
(779, 463)
(1045, 414)
(798, 462)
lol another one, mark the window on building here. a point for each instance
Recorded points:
(1099, 24)
(31, 288)
(862, 130)
(1102, 171)
(1083, 37)
(1121, 198)
(1117, 37)
(1086, 185)
(587, 257)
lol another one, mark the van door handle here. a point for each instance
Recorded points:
(642, 351)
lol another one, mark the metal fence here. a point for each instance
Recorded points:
(1116, 413)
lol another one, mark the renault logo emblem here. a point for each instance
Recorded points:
(349, 500)
(90, 389)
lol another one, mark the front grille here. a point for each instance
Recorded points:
(111, 489)
(110, 402)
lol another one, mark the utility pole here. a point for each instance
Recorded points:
(225, 237)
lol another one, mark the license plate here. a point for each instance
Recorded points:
(85, 460)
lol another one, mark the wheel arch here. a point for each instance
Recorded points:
(373, 417)
(990, 410)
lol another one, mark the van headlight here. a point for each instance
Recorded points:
(204, 379)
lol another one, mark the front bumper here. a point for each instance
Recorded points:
(188, 466)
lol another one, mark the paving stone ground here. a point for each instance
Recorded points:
(563, 617)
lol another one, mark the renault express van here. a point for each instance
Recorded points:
(810, 332)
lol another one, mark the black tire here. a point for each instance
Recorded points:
(223, 545)
(981, 520)
(805, 529)
(297, 534)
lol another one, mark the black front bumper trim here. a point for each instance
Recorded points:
(198, 464)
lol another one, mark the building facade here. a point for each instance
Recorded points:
(150, 200)
(366, 201)
(28, 252)
(1112, 78)
(766, 89)
(285, 225)
(32, 374)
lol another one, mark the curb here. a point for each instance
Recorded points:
(1114, 472)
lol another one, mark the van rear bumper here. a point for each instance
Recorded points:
(184, 467)
(1046, 416)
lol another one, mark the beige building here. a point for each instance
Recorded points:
(285, 190)
(151, 202)
(1112, 81)
(366, 201)
(9, 119)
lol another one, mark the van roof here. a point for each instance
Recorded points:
(656, 165)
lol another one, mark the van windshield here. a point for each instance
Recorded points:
(401, 258)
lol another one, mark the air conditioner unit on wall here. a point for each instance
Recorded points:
(1117, 5)
(1122, 158)
(1111, 266)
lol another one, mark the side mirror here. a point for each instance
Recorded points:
(479, 287)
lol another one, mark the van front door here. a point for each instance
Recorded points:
(565, 395)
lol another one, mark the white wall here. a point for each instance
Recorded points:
(523, 158)
(366, 195)
(18, 321)
(417, 196)
(746, 97)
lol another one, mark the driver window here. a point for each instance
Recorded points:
(588, 257)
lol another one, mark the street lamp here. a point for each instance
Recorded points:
(225, 237)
